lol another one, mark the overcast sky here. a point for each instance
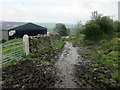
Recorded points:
(62, 11)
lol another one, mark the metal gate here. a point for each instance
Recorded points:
(11, 52)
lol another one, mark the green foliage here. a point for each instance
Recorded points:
(108, 53)
(11, 62)
(115, 78)
(98, 27)
(46, 50)
(61, 29)
(57, 45)
(44, 62)
(108, 56)
(87, 54)
(52, 60)
(79, 36)
(95, 65)
(47, 62)
(78, 28)
(106, 25)
(117, 26)
(103, 41)
(89, 42)
(92, 31)
(68, 31)
(112, 45)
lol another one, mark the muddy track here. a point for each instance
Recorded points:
(65, 67)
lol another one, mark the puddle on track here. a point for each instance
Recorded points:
(65, 67)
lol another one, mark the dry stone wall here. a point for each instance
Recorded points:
(41, 42)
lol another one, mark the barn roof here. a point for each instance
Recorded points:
(8, 25)
(28, 26)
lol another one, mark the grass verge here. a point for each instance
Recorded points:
(105, 61)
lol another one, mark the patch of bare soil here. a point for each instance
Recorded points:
(88, 79)
(27, 74)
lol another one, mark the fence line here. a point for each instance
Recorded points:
(11, 44)
(12, 48)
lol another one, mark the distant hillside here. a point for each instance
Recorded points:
(52, 25)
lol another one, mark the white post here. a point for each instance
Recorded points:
(26, 44)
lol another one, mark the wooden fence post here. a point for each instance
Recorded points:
(26, 44)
